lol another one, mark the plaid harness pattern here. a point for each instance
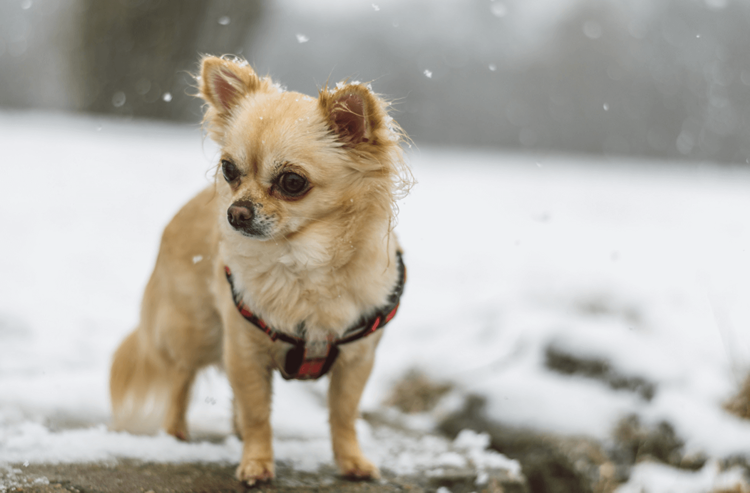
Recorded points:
(311, 360)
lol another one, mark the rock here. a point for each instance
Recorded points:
(563, 362)
(416, 393)
(131, 476)
(550, 464)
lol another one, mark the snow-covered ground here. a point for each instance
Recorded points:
(642, 264)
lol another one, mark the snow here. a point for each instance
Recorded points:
(657, 478)
(511, 257)
(642, 264)
(77, 252)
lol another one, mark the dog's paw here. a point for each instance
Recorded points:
(181, 435)
(179, 432)
(251, 471)
(357, 467)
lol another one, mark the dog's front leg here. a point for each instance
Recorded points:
(348, 379)
(249, 373)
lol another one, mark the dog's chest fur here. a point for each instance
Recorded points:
(313, 286)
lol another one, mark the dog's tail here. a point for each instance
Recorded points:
(138, 386)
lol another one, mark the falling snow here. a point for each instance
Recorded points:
(118, 99)
(592, 29)
(498, 9)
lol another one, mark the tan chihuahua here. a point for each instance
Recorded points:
(288, 262)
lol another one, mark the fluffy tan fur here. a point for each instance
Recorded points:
(325, 258)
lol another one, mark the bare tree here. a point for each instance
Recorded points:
(136, 56)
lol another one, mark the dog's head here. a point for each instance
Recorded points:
(292, 164)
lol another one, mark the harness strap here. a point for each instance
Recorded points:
(311, 360)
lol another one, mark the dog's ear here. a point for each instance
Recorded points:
(224, 83)
(353, 113)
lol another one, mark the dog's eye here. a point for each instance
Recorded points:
(229, 170)
(292, 184)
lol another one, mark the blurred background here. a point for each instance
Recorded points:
(661, 79)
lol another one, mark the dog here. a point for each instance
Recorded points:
(287, 262)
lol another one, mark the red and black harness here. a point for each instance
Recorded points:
(309, 361)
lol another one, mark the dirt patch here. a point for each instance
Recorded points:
(565, 464)
(416, 393)
(598, 306)
(736, 489)
(636, 442)
(739, 405)
(550, 464)
(568, 364)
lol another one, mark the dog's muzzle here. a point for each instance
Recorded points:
(241, 216)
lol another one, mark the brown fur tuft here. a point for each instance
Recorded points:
(138, 403)
(378, 151)
(223, 83)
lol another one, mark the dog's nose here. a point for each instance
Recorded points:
(240, 214)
